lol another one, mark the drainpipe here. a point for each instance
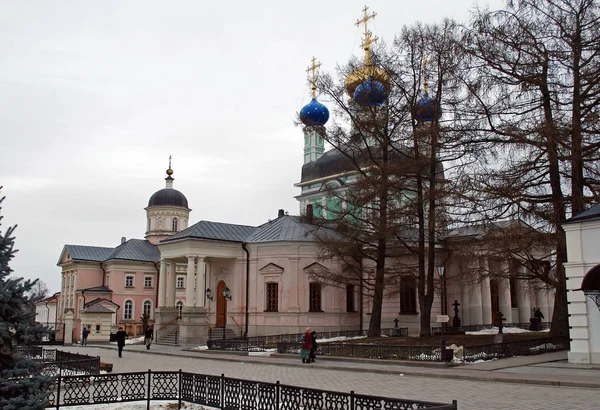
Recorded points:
(103, 274)
(247, 287)
(360, 302)
(156, 266)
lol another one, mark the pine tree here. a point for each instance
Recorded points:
(22, 385)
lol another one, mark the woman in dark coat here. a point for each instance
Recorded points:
(313, 346)
(306, 345)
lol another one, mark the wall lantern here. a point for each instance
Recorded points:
(226, 293)
(209, 294)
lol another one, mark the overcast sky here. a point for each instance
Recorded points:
(95, 96)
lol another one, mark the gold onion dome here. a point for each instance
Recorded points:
(362, 73)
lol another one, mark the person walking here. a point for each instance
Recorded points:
(84, 336)
(120, 337)
(305, 339)
(313, 346)
(148, 337)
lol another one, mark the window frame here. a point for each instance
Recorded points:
(177, 282)
(146, 279)
(408, 287)
(132, 277)
(148, 303)
(351, 298)
(271, 297)
(315, 297)
(128, 305)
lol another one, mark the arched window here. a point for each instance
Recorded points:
(128, 310)
(160, 223)
(147, 309)
(179, 306)
(408, 295)
(175, 224)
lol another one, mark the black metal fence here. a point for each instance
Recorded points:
(394, 352)
(261, 343)
(215, 391)
(55, 361)
(477, 328)
(510, 349)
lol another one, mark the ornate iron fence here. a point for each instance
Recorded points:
(54, 360)
(215, 391)
(510, 349)
(365, 351)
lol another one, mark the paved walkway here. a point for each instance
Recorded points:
(534, 382)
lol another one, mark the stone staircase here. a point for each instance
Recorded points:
(172, 339)
(217, 333)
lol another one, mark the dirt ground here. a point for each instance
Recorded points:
(459, 340)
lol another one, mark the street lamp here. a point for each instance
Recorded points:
(440, 269)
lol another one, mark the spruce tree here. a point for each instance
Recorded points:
(22, 384)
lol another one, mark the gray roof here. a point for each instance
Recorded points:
(591, 214)
(97, 289)
(285, 228)
(98, 306)
(88, 253)
(216, 231)
(135, 250)
(480, 229)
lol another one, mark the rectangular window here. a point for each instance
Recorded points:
(147, 281)
(107, 280)
(129, 281)
(272, 297)
(315, 297)
(180, 280)
(97, 329)
(408, 290)
(128, 310)
(350, 299)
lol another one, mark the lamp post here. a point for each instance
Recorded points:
(440, 269)
(226, 295)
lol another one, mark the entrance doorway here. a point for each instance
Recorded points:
(221, 305)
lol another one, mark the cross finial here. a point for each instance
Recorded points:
(169, 162)
(313, 81)
(368, 36)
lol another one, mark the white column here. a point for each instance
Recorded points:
(542, 299)
(475, 311)
(486, 295)
(523, 301)
(550, 301)
(463, 309)
(162, 284)
(190, 280)
(171, 284)
(200, 288)
(505, 305)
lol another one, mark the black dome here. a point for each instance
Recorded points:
(168, 197)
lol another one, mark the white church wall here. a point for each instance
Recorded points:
(594, 330)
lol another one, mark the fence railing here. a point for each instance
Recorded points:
(476, 328)
(510, 349)
(54, 360)
(394, 352)
(215, 391)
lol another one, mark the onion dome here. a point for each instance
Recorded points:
(362, 73)
(370, 93)
(168, 196)
(426, 109)
(314, 113)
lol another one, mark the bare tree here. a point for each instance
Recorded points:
(534, 85)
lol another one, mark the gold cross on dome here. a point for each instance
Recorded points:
(368, 39)
(365, 19)
(313, 80)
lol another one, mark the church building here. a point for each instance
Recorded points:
(191, 279)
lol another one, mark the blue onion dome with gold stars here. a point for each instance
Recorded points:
(370, 93)
(314, 113)
(426, 109)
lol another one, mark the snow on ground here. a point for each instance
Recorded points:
(328, 340)
(494, 330)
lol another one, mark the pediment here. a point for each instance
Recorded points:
(65, 257)
(315, 267)
(271, 268)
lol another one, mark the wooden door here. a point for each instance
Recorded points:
(221, 305)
